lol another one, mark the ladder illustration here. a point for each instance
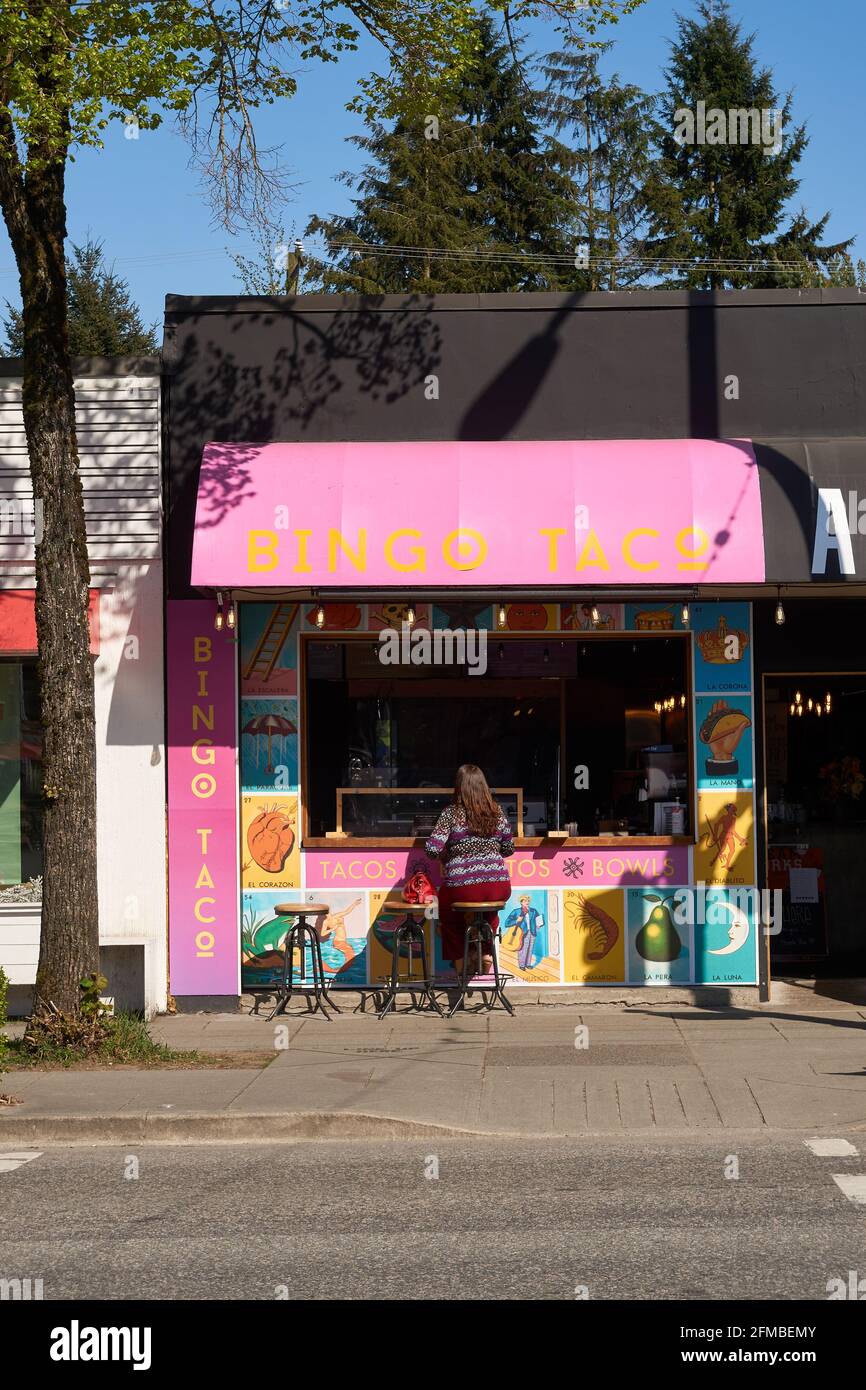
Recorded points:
(264, 658)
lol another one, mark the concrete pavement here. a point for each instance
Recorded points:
(548, 1071)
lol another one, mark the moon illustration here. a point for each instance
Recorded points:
(738, 931)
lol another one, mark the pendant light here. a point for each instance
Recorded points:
(501, 616)
(218, 618)
(780, 611)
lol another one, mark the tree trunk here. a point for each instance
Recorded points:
(35, 214)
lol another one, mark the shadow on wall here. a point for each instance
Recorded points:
(380, 354)
(131, 659)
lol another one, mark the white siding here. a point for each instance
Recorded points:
(118, 420)
(119, 447)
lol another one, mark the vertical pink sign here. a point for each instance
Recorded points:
(203, 895)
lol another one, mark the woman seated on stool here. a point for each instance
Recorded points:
(472, 838)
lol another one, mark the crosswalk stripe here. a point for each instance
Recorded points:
(10, 1161)
(831, 1148)
(853, 1185)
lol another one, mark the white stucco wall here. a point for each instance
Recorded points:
(130, 784)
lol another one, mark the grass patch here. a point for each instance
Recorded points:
(124, 1041)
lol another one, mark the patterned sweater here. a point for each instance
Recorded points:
(468, 858)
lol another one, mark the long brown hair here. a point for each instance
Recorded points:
(472, 796)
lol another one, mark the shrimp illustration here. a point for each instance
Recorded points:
(605, 930)
(721, 835)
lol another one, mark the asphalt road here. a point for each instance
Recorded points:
(630, 1219)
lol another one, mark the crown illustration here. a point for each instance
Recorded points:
(713, 641)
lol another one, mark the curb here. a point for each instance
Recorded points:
(189, 1127)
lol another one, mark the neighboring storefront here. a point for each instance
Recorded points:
(362, 596)
(118, 415)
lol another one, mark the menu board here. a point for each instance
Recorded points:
(798, 870)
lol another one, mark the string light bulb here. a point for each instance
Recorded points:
(218, 618)
(780, 610)
(319, 618)
(501, 616)
(410, 614)
(594, 614)
(231, 615)
(685, 614)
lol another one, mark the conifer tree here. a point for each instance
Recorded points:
(713, 195)
(462, 202)
(605, 150)
(104, 321)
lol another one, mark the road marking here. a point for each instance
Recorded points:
(9, 1162)
(853, 1185)
(831, 1148)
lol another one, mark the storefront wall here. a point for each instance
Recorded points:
(590, 902)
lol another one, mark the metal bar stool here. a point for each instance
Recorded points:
(484, 935)
(299, 934)
(410, 934)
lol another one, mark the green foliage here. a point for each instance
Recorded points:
(726, 201)
(465, 196)
(121, 1040)
(103, 320)
(606, 155)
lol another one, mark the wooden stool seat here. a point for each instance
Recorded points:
(298, 909)
(479, 907)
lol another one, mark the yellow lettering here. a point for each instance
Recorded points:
(626, 549)
(206, 719)
(597, 868)
(202, 683)
(466, 558)
(553, 533)
(206, 759)
(204, 943)
(390, 868)
(203, 835)
(418, 551)
(201, 649)
(357, 558)
(261, 551)
(303, 566)
(592, 548)
(204, 879)
(693, 554)
(199, 915)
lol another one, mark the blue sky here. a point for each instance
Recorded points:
(142, 200)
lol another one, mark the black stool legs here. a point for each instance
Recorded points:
(298, 937)
(412, 933)
(484, 935)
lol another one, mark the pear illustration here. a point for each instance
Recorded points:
(658, 939)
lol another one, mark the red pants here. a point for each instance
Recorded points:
(452, 925)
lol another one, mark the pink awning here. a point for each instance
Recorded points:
(506, 513)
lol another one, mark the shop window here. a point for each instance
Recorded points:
(20, 783)
(589, 736)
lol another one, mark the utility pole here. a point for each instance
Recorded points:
(293, 268)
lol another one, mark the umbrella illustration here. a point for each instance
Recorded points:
(272, 725)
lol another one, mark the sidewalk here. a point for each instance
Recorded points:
(775, 1067)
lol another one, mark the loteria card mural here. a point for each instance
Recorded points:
(722, 645)
(725, 852)
(264, 931)
(724, 748)
(268, 649)
(531, 944)
(658, 948)
(270, 846)
(726, 937)
(269, 744)
(594, 936)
